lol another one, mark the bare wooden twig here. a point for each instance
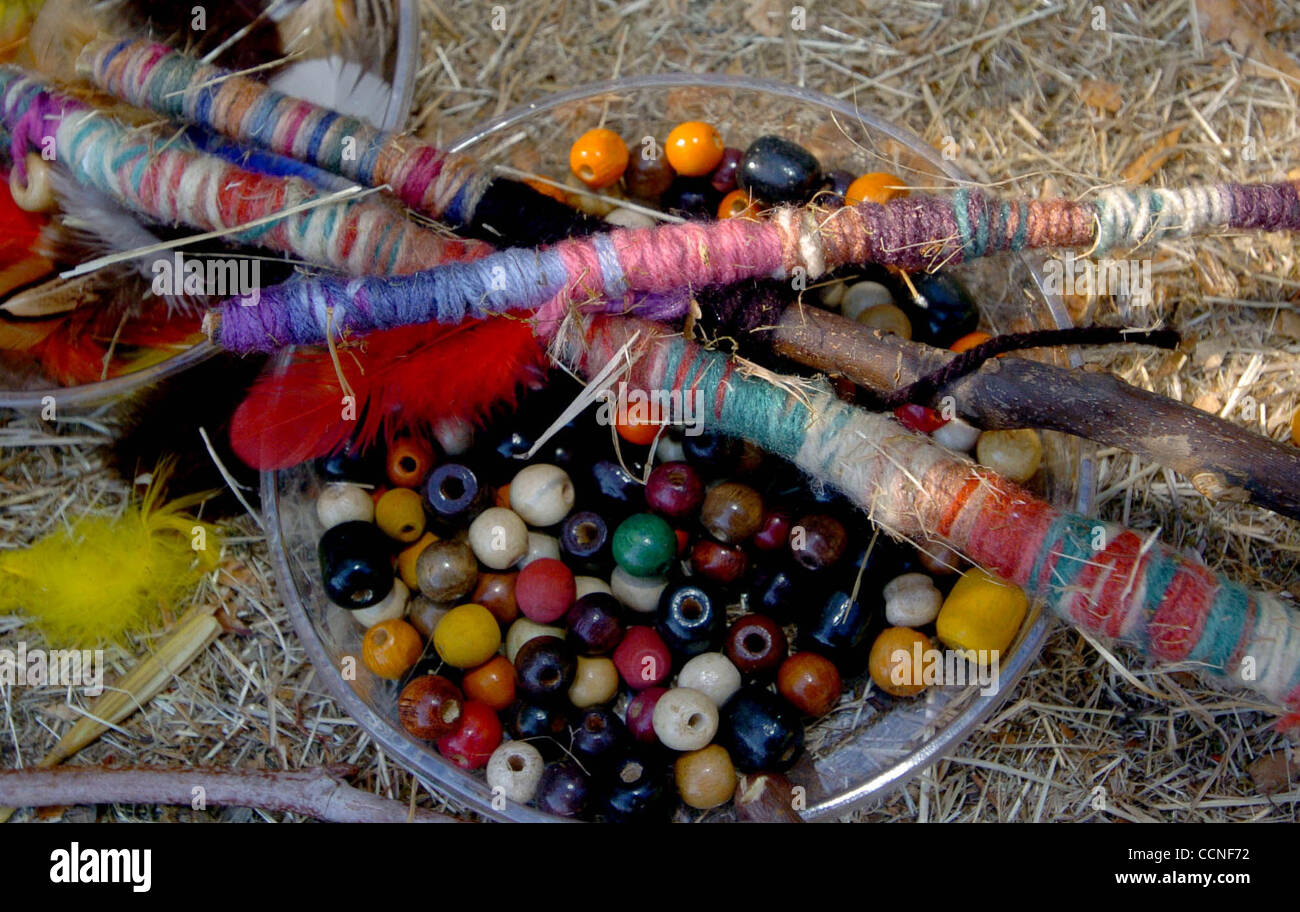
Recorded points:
(320, 793)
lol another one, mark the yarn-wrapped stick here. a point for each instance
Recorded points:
(914, 233)
(449, 187)
(1101, 577)
(1223, 461)
(168, 181)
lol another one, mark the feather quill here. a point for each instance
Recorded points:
(405, 380)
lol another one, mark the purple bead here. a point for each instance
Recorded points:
(594, 625)
(723, 177)
(674, 489)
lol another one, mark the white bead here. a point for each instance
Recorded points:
(957, 435)
(832, 294)
(37, 195)
(669, 448)
(542, 495)
(523, 630)
(539, 546)
(585, 585)
(685, 719)
(498, 538)
(515, 767)
(712, 674)
(629, 218)
(640, 593)
(911, 600)
(454, 435)
(1015, 455)
(342, 502)
(862, 295)
(390, 609)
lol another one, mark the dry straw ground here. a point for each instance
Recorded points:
(1039, 97)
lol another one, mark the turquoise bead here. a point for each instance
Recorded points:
(644, 544)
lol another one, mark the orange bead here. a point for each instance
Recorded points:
(501, 497)
(683, 539)
(1295, 428)
(391, 648)
(633, 430)
(737, 204)
(694, 148)
(409, 461)
(492, 683)
(407, 558)
(969, 341)
(893, 664)
(598, 158)
(547, 190)
(876, 187)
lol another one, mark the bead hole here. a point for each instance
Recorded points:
(452, 488)
(594, 724)
(361, 596)
(550, 676)
(692, 610)
(407, 464)
(695, 720)
(451, 712)
(381, 637)
(755, 643)
(585, 172)
(631, 772)
(516, 763)
(585, 533)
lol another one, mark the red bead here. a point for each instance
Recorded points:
(817, 541)
(430, 707)
(683, 539)
(643, 659)
(756, 645)
(919, 418)
(773, 533)
(811, 683)
(471, 745)
(721, 563)
(674, 489)
(545, 590)
(641, 713)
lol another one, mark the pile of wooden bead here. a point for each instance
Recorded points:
(604, 648)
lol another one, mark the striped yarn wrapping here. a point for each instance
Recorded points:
(1101, 577)
(915, 232)
(168, 181)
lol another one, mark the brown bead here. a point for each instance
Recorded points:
(424, 613)
(811, 683)
(765, 798)
(705, 778)
(429, 707)
(720, 563)
(732, 512)
(647, 178)
(756, 645)
(818, 541)
(446, 570)
(496, 593)
(492, 683)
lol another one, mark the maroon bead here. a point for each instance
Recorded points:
(774, 531)
(919, 418)
(674, 489)
(732, 512)
(810, 682)
(721, 563)
(594, 625)
(756, 645)
(818, 541)
(643, 659)
(545, 590)
(429, 707)
(641, 712)
(647, 178)
(723, 177)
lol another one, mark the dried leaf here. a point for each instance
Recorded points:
(1275, 773)
(766, 16)
(1104, 95)
(1141, 169)
(1228, 20)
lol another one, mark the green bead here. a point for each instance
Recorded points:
(644, 544)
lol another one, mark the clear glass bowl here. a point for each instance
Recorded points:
(398, 67)
(854, 758)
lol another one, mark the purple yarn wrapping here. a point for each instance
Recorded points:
(39, 123)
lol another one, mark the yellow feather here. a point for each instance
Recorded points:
(104, 577)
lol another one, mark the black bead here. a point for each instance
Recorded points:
(947, 314)
(760, 731)
(637, 790)
(691, 620)
(454, 494)
(545, 667)
(781, 590)
(356, 564)
(712, 454)
(837, 181)
(352, 463)
(613, 492)
(778, 171)
(594, 623)
(691, 198)
(599, 736)
(564, 790)
(584, 543)
(543, 725)
(840, 628)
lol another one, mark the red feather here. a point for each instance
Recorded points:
(405, 380)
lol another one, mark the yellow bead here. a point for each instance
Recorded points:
(36, 195)
(595, 682)
(1014, 455)
(467, 636)
(1295, 427)
(400, 514)
(694, 148)
(407, 559)
(886, 318)
(598, 158)
(893, 663)
(982, 612)
(876, 187)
